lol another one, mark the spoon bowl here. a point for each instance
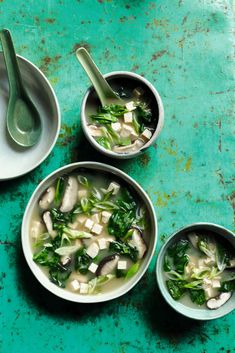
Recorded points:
(23, 120)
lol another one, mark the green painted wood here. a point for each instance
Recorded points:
(185, 48)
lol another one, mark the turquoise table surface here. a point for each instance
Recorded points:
(185, 48)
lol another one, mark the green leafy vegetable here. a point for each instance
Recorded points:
(109, 114)
(67, 250)
(59, 276)
(207, 247)
(99, 281)
(104, 142)
(197, 296)
(124, 249)
(223, 257)
(46, 257)
(59, 190)
(166, 264)
(82, 261)
(175, 288)
(76, 234)
(132, 270)
(178, 253)
(227, 286)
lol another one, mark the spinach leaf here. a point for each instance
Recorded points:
(223, 257)
(166, 264)
(46, 257)
(59, 218)
(142, 117)
(175, 288)
(178, 253)
(59, 276)
(109, 114)
(197, 296)
(60, 184)
(227, 286)
(124, 249)
(82, 261)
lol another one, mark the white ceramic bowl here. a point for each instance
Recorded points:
(129, 81)
(191, 312)
(18, 160)
(42, 278)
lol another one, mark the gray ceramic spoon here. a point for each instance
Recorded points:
(104, 91)
(23, 120)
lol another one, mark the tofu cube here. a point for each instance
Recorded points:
(93, 250)
(210, 292)
(84, 287)
(75, 284)
(207, 281)
(128, 117)
(102, 243)
(130, 106)
(105, 216)
(115, 187)
(146, 134)
(216, 283)
(93, 267)
(82, 193)
(89, 224)
(116, 126)
(97, 228)
(95, 217)
(122, 265)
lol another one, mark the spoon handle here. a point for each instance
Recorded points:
(13, 71)
(104, 91)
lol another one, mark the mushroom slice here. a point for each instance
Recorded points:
(231, 264)
(70, 195)
(107, 265)
(47, 198)
(94, 130)
(129, 148)
(48, 222)
(138, 242)
(193, 238)
(217, 302)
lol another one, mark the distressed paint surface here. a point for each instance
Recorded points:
(185, 48)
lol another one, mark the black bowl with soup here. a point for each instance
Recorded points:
(123, 131)
(89, 232)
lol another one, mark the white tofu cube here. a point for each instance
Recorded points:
(116, 126)
(122, 265)
(210, 292)
(102, 243)
(93, 267)
(207, 281)
(75, 284)
(115, 187)
(93, 250)
(105, 216)
(128, 117)
(95, 217)
(146, 134)
(97, 228)
(130, 106)
(216, 283)
(84, 287)
(82, 193)
(81, 218)
(89, 224)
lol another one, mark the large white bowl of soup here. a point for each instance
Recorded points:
(89, 232)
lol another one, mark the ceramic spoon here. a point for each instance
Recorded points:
(104, 91)
(23, 120)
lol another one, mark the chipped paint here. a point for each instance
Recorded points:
(184, 48)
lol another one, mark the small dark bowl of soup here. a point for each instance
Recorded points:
(89, 232)
(196, 271)
(123, 131)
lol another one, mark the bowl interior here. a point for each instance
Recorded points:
(194, 313)
(97, 168)
(44, 99)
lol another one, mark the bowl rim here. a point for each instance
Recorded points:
(43, 279)
(57, 116)
(157, 131)
(159, 271)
